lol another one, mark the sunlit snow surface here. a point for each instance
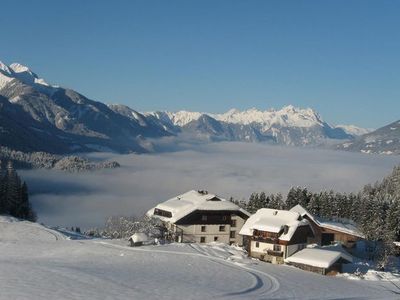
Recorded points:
(39, 263)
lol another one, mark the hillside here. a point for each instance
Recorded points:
(62, 268)
(37, 116)
(43, 160)
(385, 140)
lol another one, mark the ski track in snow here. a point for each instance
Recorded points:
(35, 228)
(260, 285)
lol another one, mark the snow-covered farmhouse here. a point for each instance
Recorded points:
(329, 232)
(273, 235)
(197, 216)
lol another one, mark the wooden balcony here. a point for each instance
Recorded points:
(266, 239)
(275, 253)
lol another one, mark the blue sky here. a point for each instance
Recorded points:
(338, 57)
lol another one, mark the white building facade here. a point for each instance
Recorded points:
(200, 217)
(273, 235)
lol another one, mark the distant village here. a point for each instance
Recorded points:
(294, 237)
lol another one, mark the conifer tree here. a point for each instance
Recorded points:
(3, 209)
(253, 204)
(314, 206)
(14, 198)
(304, 197)
(263, 200)
(393, 219)
(278, 201)
(12, 190)
(292, 198)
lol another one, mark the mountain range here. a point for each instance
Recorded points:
(38, 116)
(287, 126)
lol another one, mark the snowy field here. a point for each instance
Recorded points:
(39, 263)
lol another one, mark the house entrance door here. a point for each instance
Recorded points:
(327, 239)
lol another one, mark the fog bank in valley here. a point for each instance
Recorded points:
(228, 169)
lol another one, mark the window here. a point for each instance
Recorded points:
(203, 228)
(232, 234)
(233, 223)
(215, 238)
(204, 217)
(257, 244)
(277, 247)
(202, 239)
(222, 228)
(163, 213)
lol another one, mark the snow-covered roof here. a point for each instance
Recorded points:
(182, 205)
(319, 257)
(139, 237)
(272, 220)
(301, 210)
(337, 226)
(341, 227)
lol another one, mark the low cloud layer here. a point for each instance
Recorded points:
(228, 169)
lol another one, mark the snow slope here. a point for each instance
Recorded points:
(20, 72)
(288, 116)
(384, 140)
(354, 130)
(39, 263)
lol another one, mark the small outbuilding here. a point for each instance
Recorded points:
(138, 239)
(325, 261)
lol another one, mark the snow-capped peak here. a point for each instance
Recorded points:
(233, 111)
(289, 108)
(181, 118)
(18, 68)
(354, 130)
(288, 116)
(22, 73)
(5, 75)
(4, 68)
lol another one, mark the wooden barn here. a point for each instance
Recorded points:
(330, 232)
